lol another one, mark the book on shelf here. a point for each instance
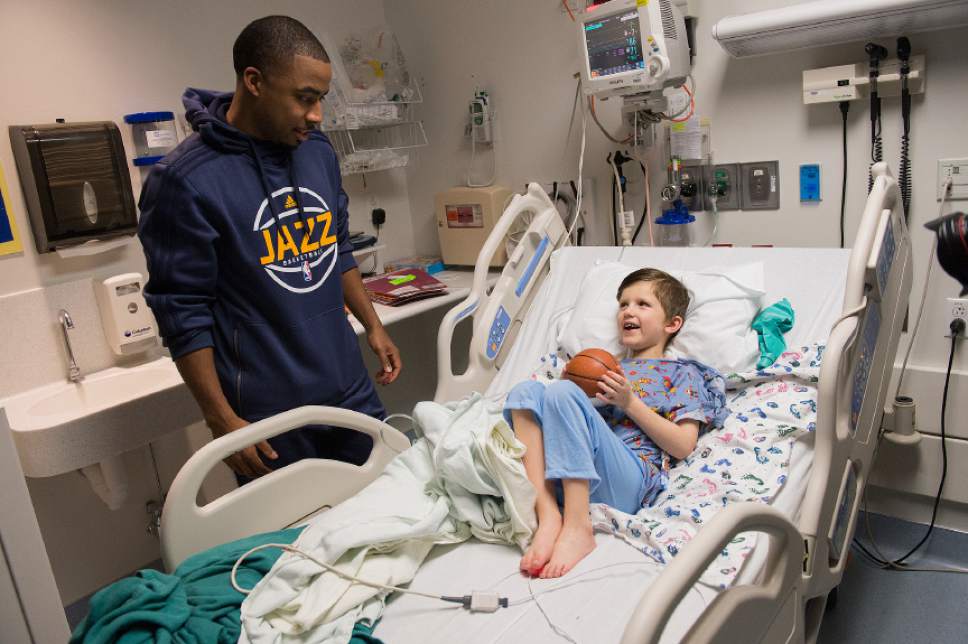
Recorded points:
(403, 286)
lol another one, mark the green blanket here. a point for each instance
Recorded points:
(194, 605)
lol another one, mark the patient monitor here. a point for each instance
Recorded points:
(634, 49)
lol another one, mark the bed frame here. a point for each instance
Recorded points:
(806, 559)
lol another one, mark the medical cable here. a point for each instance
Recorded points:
(581, 166)
(608, 135)
(876, 53)
(414, 427)
(692, 106)
(647, 206)
(844, 107)
(924, 291)
(560, 632)
(904, 179)
(851, 313)
(621, 202)
(568, 9)
(470, 168)
(574, 110)
(957, 329)
(477, 601)
(713, 199)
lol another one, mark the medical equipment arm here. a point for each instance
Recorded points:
(276, 499)
(742, 613)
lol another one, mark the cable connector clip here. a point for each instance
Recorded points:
(480, 601)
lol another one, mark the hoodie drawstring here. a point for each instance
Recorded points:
(294, 180)
(262, 178)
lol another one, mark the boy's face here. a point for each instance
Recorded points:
(288, 101)
(642, 322)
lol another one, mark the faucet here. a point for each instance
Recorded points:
(73, 371)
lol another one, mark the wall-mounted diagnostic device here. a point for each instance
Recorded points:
(128, 325)
(465, 218)
(75, 181)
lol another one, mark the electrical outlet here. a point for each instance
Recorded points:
(957, 171)
(760, 185)
(957, 308)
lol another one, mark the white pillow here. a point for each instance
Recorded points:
(722, 305)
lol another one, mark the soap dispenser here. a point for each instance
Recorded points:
(128, 324)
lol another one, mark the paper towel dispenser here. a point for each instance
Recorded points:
(75, 181)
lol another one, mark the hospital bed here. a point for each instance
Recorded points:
(854, 302)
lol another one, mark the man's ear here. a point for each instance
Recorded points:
(253, 81)
(673, 325)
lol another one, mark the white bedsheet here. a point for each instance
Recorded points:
(596, 606)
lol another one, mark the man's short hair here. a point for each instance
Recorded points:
(672, 295)
(269, 44)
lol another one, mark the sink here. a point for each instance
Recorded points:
(66, 426)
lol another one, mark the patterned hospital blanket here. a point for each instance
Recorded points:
(746, 460)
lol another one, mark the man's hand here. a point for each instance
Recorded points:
(387, 353)
(615, 390)
(247, 462)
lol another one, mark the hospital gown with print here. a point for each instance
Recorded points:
(677, 390)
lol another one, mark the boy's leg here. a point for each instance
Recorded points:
(594, 466)
(576, 538)
(579, 444)
(538, 553)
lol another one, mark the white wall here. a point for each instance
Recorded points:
(525, 54)
(98, 60)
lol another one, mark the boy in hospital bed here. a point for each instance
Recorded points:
(620, 453)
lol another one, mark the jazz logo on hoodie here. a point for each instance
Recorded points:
(299, 248)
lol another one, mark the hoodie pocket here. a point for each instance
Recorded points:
(313, 362)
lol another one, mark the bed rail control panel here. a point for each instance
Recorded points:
(499, 329)
(882, 257)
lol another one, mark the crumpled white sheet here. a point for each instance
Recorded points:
(463, 478)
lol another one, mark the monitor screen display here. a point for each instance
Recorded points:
(614, 44)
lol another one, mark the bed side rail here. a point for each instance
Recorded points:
(854, 379)
(498, 314)
(276, 500)
(748, 613)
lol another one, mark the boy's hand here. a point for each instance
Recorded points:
(615, 390)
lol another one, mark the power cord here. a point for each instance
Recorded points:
(844, 108)
(924, 291)
(957, 327)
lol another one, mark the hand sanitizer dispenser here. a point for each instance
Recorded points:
(128, 324)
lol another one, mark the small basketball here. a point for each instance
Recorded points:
(588, 367)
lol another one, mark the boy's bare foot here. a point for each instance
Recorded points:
(573, 544)
(542, 543)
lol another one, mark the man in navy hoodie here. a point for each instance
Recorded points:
(245, 229)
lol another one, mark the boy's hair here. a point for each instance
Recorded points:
(672, 295)
(269, 44)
